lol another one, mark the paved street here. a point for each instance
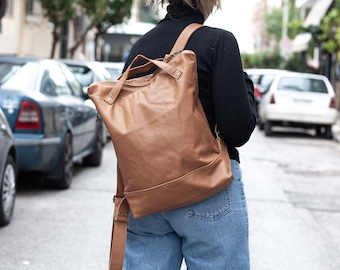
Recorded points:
(292, 182)
(293, 186)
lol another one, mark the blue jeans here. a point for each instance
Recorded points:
(211, 234)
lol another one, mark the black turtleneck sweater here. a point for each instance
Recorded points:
(226, 92)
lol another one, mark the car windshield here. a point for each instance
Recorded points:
(14, 76)
(83, 74)
(302, 84)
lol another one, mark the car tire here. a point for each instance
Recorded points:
(7, 191)
(324, 131)
(318, 130)
(94, 159)
(64, 182)
(260, 124)
(268, 128)
(328, 132)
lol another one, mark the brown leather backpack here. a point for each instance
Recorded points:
(167, 155)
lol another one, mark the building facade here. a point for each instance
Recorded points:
(24, 31)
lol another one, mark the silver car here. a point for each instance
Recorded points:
(8, 171)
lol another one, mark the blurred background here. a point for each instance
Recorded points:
(58, 169)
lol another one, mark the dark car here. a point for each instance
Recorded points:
(52, 119)
(8, 170)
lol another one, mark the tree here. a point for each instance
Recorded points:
(331, 36)
(58, 12)
(274, 20)
(102, 15)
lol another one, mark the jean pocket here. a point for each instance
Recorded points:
(211, 209)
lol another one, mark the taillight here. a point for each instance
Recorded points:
(257, 92)
(29, 116)
(272, 99)
(332, 103)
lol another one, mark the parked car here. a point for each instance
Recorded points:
(115, 68)
(53, 121)
(8, 170)
(88, 72)
(299, 100)
(262, 79)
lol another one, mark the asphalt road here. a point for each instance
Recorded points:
(292, 183)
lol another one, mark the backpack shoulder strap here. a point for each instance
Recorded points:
(184, 37)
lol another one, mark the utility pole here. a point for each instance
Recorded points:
(285, 43)
(285, 19)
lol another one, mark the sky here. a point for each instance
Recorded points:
(235, 17)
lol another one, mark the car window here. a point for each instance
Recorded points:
(84, 75)
(254, 77)
(116, 72)
(7, 70)
(101, 73)
(20, 77)
(47, 86)
(59, 79)
(74, 83)
(266, 80)
(302, 84)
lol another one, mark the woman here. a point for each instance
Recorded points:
(212, 234)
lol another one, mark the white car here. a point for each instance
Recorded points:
(299, 100)
(115, 68)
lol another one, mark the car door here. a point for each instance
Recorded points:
(71, 109)
(86, 107)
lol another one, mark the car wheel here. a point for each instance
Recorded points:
(328, 132)
(7, 191)
(318, 130)
(95, 158)
(268, 128)
(260, 124)
(65, 180)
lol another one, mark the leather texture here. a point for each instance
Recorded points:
(167, 155)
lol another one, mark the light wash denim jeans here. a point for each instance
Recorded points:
(209, 235)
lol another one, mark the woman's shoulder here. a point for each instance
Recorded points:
(213, 36)
(218, 32)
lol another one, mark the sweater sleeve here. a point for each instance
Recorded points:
(233, 93)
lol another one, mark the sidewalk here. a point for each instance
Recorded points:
(336, 129)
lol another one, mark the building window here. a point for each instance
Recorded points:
(9, 8)
(33, 10)
(29, 7)
(33, 7)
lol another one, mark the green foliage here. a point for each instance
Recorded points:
(105, 13)
(273, 60)
(58, 11)
(297, 63)
(327, 34)
(102, 14)
(262, 60)
(330, 30)
(274, 22)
